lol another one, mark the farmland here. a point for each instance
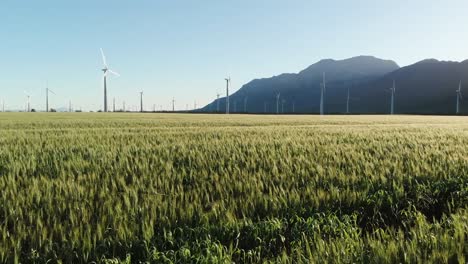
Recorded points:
(110, 188)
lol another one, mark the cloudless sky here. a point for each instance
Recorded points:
(185, 48)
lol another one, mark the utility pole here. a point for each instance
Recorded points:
(141, 101)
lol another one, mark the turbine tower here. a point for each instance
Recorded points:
(228, 81)
(217, 103)
(392, 107)
(264, 107)
(106, 70)
(28, 109)
(173, 104)
(322, 93)
(245, 104)
(277, 103)
(459, 97)
(141, 101)
(113, 105)
(347, 103)
(47, 96)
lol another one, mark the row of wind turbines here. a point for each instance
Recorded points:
(392, 91)
(106, 71)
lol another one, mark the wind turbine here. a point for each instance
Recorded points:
(264, 107)
(28, 96)
(47, 96)
(228, 82)
(322, 93)
(347, 103)
(277, 103)
(282, 105)
(113, 105)
(245, 104)
(217, 102)
(459, 97)
(141, 101)
(392, 90)
(294, 106)
(173, 104)
(106, 70)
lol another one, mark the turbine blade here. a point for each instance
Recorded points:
(113, 72)
(51, 91)
(103, 58)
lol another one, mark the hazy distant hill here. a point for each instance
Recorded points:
(427, 87)
(303, 88)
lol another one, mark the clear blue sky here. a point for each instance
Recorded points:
(184, 49)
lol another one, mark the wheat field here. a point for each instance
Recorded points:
(181, 188)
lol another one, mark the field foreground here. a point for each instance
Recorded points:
(77, 188)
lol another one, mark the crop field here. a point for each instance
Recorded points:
(163, 188)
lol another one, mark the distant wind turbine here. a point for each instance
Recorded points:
(277, 103)
(245, 104)
(28, 96)
(217, 102)
(106, 70)
(459, 97)
(392, 106)
(141, 101)
(322, 94)
(228, 82)
(47, 96)
(173, 105)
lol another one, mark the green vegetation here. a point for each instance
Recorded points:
(111, 188)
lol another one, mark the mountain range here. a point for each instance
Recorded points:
(426, 87)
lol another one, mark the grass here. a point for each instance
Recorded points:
(116, 188)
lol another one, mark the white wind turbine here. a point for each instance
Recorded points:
(392, 90)
(106, 70)
(277, 103)
(47, 96)
(459, 97)
(228, 82)
(28, 102)
(322, 93)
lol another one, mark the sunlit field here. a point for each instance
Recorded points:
(162, 188)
